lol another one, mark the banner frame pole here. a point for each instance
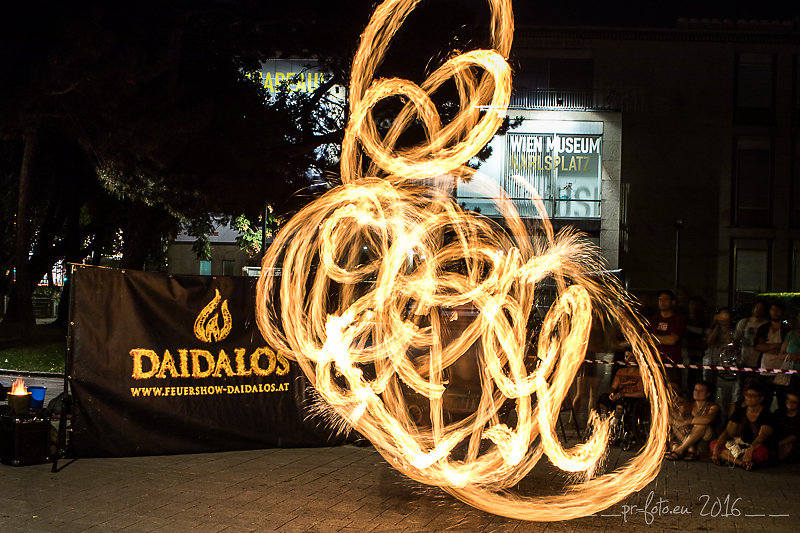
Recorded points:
(61, 434)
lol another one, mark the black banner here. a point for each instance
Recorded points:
(165, 364)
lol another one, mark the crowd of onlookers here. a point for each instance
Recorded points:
(727, 414)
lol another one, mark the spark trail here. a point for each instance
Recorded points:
(372, 270)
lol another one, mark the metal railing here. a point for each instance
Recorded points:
(556, 207)
(45, 307)
(597, 100)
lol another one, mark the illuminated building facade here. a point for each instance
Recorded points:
(699, 146)
(657, 143)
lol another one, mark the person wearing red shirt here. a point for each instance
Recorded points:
(668, 327)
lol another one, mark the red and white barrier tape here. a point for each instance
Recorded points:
(706, 367)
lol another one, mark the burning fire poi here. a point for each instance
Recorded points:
(369, 269)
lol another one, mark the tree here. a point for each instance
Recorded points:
(155, 100)
(70, 215)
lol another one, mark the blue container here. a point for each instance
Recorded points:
(37, 396)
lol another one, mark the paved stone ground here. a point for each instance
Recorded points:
(351, 489)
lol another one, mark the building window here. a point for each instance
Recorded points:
(751, 268)
(796, 266)
(205, 268)
(227, 267)
(565, 74)
(796, 97)
(564, 170)
(795, 214)
(755, 88)
(554, 83)
(752, 187)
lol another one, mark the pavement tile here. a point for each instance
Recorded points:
(352, 489)
(145, 524)
(332, 524)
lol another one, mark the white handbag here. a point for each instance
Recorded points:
(784, 379)
(771, 361)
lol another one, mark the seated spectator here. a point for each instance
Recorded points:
(627, 385)
(694, 428)
(747, 437)
(740, 403)
(787, 428)
(680, 411)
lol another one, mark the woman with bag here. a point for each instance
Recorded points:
(747, 438)
(769, 340)
(790, 351)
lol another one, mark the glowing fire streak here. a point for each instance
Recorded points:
(372, 267)
(18, 388)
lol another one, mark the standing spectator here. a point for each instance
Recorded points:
(723, 352)
(787, 427)
(668, 328)
(587, 382)
(747, 437)
(745, 336)
(695, 340)
(790, 350)
(769, 339)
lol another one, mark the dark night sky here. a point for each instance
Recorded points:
(647, 13)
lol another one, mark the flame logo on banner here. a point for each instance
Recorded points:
(206, 326)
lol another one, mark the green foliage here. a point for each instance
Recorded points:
(49, 292)
(250, 237)
(201, 228)
(202, 248)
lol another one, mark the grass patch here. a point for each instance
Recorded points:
(40, 358)
(42, 351)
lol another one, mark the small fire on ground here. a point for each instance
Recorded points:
(18, 388)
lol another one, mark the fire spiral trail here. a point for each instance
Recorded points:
(374, 271)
